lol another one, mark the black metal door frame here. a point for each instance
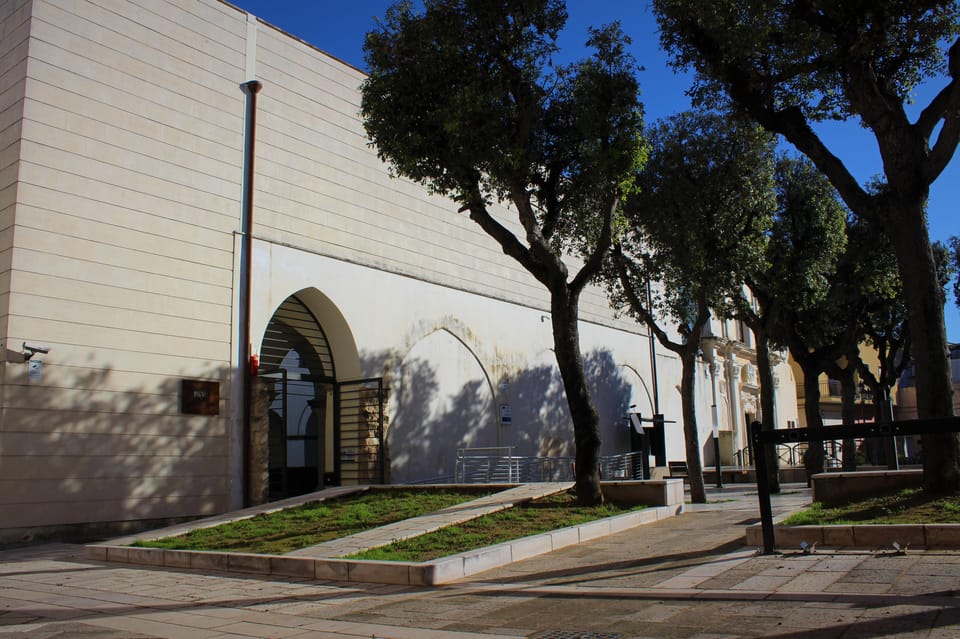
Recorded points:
(284, 380)
(348, 424)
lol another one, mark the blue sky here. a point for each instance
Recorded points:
(338, 27)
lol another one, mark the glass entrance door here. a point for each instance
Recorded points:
(306, 418)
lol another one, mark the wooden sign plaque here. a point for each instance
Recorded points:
(199, 398)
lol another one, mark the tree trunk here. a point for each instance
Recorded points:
(813, 459)
(767, 405)
(691, 435)
(586, 420)
(848, 412)
(884, 403)
(924, 298)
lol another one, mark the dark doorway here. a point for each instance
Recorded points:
(296, 360)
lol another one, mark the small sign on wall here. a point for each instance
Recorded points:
(506, 414)
(199, 398)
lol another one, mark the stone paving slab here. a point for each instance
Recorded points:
(624, 584)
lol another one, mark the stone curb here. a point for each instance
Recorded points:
(860, 536)
(431, 573)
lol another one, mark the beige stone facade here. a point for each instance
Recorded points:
(121, 181)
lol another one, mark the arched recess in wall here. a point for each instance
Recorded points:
(304, 353)
(641, 396)
(441, 400)
(343, 345)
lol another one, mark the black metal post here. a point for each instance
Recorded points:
(716, 456)
(660, 439)
(893, 459)
(763, 490)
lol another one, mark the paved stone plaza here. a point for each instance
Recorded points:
(688, 576)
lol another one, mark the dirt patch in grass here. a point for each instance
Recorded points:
(908, 506)
(314, 522)
(538, 516)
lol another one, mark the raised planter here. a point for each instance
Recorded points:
(832, 488)
(861, 536)
(651, 492)
(429, 573)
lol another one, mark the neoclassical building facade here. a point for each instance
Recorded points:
(149, 246)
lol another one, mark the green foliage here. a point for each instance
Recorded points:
(947, 257)
(532, 518)
(315, 522)
(907, 506)
(698, 219)
(464, 99)
(819, 264)
(806, 237)
(955, 248)
(798, 53)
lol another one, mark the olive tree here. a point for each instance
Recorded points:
(805, 235)
(462, 97)
(698, 219)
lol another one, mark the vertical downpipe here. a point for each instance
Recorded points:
(653, 357)
(250, 89)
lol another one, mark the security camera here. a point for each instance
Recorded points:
(33, 349)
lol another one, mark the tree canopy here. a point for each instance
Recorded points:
(953, 262)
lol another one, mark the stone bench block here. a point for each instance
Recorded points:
(649, 492)
(836, 488)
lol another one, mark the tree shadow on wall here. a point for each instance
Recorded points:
(426, 429)
(89, 450)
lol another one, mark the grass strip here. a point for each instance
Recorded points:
(538, 516)
(314, 522)
(908, 506)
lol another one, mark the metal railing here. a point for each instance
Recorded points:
(792, 454)
(499, 465)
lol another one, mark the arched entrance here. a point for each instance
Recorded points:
(298, 371)
(316, 429)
